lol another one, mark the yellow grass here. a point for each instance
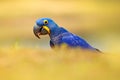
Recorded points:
(17, 63)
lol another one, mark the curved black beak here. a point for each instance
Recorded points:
(36, 31)
(39, 31)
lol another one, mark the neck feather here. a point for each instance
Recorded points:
(57, 31)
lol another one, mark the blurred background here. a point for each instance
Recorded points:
(97, 21)
(25, 57)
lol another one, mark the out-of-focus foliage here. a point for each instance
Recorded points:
(18, 63)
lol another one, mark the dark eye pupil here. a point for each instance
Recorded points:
(45, 22)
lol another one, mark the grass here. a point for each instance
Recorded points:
(17, 63)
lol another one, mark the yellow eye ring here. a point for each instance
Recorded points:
(45, 22)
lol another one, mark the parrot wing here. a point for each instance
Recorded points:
(73, 40)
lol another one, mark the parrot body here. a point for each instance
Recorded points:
(72, 40)
(59, 35)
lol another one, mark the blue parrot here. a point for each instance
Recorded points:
(59, 35)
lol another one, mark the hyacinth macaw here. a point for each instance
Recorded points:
(59, 35)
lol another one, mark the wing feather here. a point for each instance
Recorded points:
(74, 40)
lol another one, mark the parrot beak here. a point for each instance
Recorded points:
(36, 30)
(40, 30)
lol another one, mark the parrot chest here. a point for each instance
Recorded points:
(57, 40)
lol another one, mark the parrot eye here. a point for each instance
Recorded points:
(45, 22)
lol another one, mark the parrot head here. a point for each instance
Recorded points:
(44, 26)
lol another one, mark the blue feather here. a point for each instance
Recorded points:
(72, 40)
(59, 35)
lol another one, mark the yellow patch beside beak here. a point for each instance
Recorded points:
(47, 29)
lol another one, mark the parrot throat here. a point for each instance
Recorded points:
(56, 32)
